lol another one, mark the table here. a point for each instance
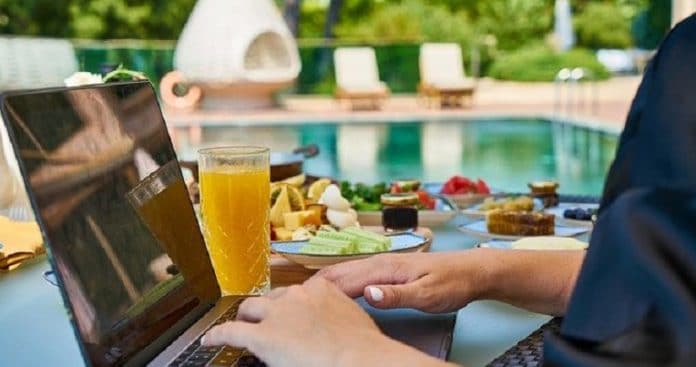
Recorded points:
(34, 328)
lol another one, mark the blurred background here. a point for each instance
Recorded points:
(502, 39)
(547, 83)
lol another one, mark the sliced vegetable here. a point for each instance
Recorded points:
(427, 201)
(340, 236)
(323, 250)
(461, 185)
(346, 242)
(366, 236)
(349, 246)
(366, 248)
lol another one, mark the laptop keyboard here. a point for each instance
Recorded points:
(197, 355)
(529, 351)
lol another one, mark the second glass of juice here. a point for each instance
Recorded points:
(235, 205)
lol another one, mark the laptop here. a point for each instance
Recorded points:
(122, 235)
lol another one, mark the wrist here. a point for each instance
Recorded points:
(486, 270)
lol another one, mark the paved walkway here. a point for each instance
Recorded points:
(492, 99)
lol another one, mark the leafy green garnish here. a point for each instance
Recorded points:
(364, 197)
(121, 73)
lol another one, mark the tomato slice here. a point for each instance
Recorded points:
(449, 187)
(482, 187)
(425, 199)
(458, 185)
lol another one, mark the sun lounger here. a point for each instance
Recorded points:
(442, 75)
(28, 63)
(357, 77)
(35, 62)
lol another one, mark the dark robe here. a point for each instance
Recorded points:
(635, 300)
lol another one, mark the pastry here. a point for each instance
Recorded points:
(519, 223)
(521, 203)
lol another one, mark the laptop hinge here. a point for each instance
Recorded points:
(158, 345)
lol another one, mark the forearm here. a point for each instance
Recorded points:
(540, 281)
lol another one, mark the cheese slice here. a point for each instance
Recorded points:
(549, 243)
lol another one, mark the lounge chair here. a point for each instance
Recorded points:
(28, 63)
(442, 75)
(357, 77)
(35, 62)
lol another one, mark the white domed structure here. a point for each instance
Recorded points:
(232, 54)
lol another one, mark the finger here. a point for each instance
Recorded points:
(238, 334)
(353, 276)
(253, 309)
(395, 296)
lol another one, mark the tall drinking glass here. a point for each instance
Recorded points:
(235, 205)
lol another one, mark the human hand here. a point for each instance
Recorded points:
(310, 325)
(433, 282)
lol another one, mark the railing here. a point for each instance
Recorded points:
(576, 93)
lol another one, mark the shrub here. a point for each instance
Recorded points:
(603, 25)
(515, 22)
(540, 63)
(410, 20)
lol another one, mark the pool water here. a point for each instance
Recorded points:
(506, 153)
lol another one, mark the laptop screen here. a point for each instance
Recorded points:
(115, 212)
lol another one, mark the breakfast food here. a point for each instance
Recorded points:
(294, 216)
(366, 198)
(317, 188)
(363, 197)
(400, 212)
(458, 185)
(339, 212)
(349, 241)
(579, 213)
(549, 243)
(520, 203)
(546, 191)
(519, 223)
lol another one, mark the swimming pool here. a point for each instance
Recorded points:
(506, 153)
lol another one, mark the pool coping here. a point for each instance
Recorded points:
(210, 120)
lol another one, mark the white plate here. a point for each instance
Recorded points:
(507, 245)
(560, 220)
(479, 230)
(474, 212)
(401, 242)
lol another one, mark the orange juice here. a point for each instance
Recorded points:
(235, 205)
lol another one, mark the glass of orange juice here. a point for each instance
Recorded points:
(235, 205)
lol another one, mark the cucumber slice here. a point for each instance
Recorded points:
(336, 236)
(367, 248)
(365, 236)
(323, 250)
(350, 246)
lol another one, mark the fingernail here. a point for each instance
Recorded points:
(376, 294)
(203, 340)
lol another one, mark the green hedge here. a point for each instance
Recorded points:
(602, 25)
(539, 63)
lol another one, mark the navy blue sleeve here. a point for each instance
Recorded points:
(635, 300)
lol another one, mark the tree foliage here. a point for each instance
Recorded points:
(540, 63)
(515, 23)
(512, 23)
(593, 23)
(98, 19)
